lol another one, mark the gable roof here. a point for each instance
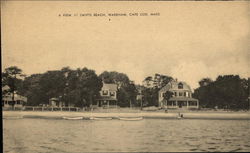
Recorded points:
(5, 88)
(173, 85)
(109, 86)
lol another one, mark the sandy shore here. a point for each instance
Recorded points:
(153, 115)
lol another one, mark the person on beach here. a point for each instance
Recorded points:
(180, 115)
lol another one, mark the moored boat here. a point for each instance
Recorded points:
(72, 118)
(13, 117)
(100, 118)
(131, 118)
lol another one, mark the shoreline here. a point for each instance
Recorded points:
(149, 115)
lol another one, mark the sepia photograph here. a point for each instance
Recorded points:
(125, 76)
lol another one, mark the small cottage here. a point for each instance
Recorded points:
(108, 95)
(8, 101)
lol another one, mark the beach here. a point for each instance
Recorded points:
(152, 115)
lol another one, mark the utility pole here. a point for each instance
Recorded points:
(141, 97)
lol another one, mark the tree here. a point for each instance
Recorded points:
(83, 86)
(33, 91)
(12, 76)
(150, 96)
(168, 95)
(228, 91)
(205, 81)
(78, 87)
(165, 80)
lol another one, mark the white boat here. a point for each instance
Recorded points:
(73, 118)
(13, 117)
(130, 118)
(100, 118)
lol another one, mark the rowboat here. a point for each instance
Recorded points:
(130, 118)
(100, 118)
(73, 118)
(13, 117)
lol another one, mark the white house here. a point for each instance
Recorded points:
(7, 98)
(108, 95)
(181, 98)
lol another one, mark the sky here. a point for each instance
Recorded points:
(188, 40)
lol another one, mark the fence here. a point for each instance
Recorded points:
(37, 108)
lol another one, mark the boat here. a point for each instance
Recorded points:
(13, 117)
(100, 118)
(72, 118)
(130, 118)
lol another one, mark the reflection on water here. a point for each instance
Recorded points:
(40, 135)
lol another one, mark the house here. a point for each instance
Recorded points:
(7, 99)
(181, 96)
(55, 102)
(108, 95)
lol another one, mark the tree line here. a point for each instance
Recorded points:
(226, 92)
(81, 87)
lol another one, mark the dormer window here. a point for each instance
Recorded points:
(112, 93)
(180, 86)
(105, 92)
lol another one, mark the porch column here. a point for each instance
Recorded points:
(172, 104)
(108, 103)
(187, 104)
(176, 103)
(197, 103)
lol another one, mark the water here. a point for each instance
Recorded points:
(67, 136)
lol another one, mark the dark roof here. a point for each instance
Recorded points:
(182, 99)
(109, 86)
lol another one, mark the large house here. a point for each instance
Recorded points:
(108, 95)
(181, 96)
(7, 99)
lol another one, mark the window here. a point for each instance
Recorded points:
(112, 93)
(180, 93)
(105, 92)
(180, 86)
(175, 94)
(18, 102)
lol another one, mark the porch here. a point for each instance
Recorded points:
(105, 102)
(182, 102)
